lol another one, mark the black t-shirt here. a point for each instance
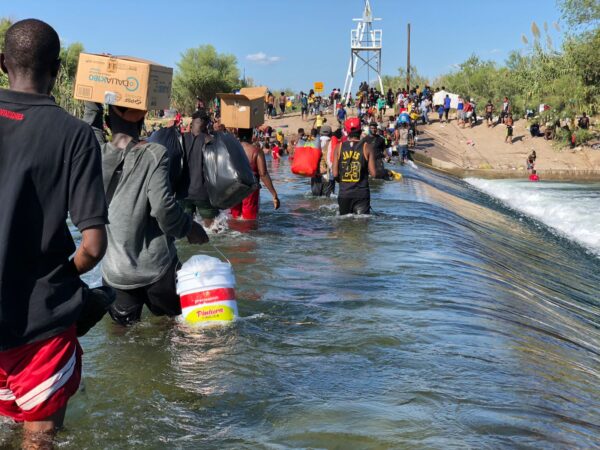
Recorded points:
(49, 167)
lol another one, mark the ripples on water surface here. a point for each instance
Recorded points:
(445, 321)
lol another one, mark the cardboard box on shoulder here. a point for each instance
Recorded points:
(243, 110)
(123, 81)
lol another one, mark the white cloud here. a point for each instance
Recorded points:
(495, 50)
(263, 58)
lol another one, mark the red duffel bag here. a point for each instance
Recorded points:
(306, 161)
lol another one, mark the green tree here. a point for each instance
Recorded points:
(5, 24)
(202, 72)
(63, 89)
(399, 81)
(580, 13)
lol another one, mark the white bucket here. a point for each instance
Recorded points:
(206, 288)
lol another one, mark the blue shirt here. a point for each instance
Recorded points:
(341, 114)
(447, 103)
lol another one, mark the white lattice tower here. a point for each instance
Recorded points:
(365, 48)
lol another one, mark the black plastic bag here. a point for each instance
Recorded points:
(169, 137)
(227, 173)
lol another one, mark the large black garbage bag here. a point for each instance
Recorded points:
(169, 137)
(227, 172)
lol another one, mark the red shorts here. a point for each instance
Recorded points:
(37, 379)
(248, 209)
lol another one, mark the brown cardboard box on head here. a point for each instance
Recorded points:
(123, 81)
(243, 110)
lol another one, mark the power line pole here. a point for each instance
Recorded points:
(408, 61)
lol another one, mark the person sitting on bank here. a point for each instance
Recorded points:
(145, 219)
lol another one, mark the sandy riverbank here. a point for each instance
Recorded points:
(444, 147)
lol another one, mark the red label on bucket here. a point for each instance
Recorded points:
(214, 295)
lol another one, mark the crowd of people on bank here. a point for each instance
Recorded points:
(419, 103)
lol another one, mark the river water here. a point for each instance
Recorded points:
(450, 319)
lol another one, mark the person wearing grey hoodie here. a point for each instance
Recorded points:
(145, 219)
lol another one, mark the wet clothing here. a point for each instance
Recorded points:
(248, 208)
(202, 208)
(144, 217)
(353, 178)
(49, 169)
(37, 379)
(160, 297)
(354, 206)
(322, 187)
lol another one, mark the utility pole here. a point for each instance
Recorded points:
(408, 61)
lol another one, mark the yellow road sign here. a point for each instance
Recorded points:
(319, 86)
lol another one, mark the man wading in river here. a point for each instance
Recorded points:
(378, 146)
(49, 166)
(354, 162)
(141, 259)
(248, 209)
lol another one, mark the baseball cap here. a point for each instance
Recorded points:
(352, 124)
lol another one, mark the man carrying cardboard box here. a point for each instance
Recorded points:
(141, 258)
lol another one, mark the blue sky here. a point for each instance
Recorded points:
(292, 43)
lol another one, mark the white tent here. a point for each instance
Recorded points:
(438, 99)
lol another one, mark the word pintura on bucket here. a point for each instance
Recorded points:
(206, 288)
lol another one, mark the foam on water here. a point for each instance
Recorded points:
(573, 210)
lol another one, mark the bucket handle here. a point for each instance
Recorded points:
(219, 252)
